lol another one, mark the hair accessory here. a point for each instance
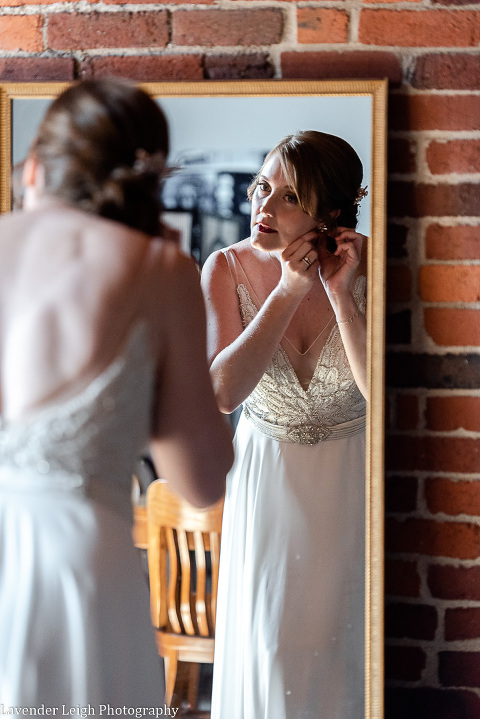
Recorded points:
(350, 319)
(149, 164)
(361, 193)
(322, 228)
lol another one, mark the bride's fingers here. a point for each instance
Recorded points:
(344, 235)
(309, 259)
(305, 241)
(347, 247)
(297, 250)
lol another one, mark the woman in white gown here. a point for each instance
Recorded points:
(102, 349)
(287, 338)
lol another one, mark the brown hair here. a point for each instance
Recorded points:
(103, 146)
(324, 171)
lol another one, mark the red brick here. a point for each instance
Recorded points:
(402, 155)
(453, 156)
(36, 69)
(262, 26)
(459, 669)
(447, 71)
(354, 64)
(238, 67)
(399, 283)
(420, 28)
(433, 454)
(451, 497)
(316, 25)
(407, 199)
(404, 663)
(453, 327)
(83, 31)
(462, 623)
(458, 583)
(460, 242)
(146, 68)
(401, 578)
(401, 494)
(412, 621)
(21, 32)
(433, 112)
(449, 283)
(459, 540)
(446, 414)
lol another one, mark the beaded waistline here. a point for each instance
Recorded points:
(307, 433)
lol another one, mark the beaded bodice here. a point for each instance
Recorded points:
(332, 397)
(89, 441)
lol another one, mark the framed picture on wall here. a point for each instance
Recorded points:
(217, 232)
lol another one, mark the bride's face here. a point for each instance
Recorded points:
(277, 218)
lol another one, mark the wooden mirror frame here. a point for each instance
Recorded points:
(376, 92)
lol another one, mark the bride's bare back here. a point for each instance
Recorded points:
(72, 288)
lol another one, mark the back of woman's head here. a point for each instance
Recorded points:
(103, 146)
(325, 172)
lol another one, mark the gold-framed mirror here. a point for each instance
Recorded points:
(224, 129)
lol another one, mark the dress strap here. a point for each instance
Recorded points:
(232, 263)
(238, 274)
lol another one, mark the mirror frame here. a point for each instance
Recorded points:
(376, 90)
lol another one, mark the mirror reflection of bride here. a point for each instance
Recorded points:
(287, 337)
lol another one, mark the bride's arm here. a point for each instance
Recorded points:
(239, 357)
(191, 444)
(337, 274)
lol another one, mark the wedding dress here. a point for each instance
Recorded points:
(74, 619)
(290, 624)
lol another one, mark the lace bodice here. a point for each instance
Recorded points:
(89, 441)
(279, 400)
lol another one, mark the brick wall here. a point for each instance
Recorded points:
(429, 50)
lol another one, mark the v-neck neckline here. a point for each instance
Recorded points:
(284, 353)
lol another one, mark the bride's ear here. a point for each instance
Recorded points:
(33, 175)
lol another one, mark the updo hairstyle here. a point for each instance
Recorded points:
(324, 171)
(103, 146)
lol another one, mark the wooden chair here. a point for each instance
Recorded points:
(183, 558)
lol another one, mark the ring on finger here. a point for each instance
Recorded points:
(307, 261)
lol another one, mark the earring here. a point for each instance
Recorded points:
(322, 228)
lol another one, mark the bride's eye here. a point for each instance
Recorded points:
(292, 198)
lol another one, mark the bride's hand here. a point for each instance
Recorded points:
(337, 270)
(299, 264)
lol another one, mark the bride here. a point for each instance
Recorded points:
(287, 337)
(101, 349)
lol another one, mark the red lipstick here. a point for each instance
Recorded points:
(264, 228)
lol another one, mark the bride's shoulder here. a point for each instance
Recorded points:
(170, 271)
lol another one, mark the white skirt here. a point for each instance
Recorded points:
(290, 623)
(74, 609)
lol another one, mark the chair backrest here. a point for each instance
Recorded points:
(183, 559)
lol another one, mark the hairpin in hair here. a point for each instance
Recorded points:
(361, 193)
